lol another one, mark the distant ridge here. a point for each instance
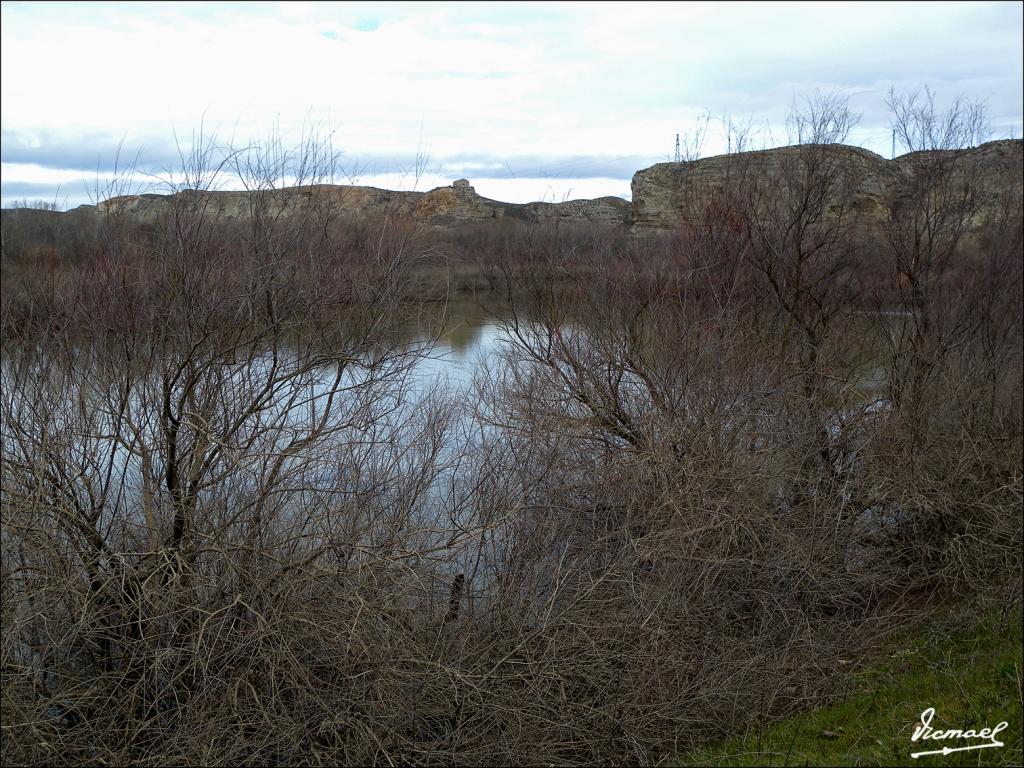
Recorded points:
(870, 183)
(444, 206)
(661, 193)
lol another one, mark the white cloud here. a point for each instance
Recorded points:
(499, 81)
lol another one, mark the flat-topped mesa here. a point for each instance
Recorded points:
(443, 206)
(243, 204)
(866, 184)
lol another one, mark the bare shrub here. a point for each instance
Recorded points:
(241, 524)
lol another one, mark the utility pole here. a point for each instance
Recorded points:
(893, 155)
(678, 156)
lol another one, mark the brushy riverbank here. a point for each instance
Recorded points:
(967, 664)
(701, 472)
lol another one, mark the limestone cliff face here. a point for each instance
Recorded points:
(866, 184)
(995, 172)
(455, 204)
(444, 206)
(602, 210)
(236, 205)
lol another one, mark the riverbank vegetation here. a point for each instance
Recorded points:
(965, 664)
(239, 527)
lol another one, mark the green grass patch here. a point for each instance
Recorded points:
(969, 670)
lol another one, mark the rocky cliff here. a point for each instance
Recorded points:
(444, 206)
(865, 183)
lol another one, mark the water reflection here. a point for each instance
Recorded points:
(470, 335)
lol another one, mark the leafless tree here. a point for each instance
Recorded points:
(921, 126)
(244, 520)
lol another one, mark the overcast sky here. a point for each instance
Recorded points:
(530, 102)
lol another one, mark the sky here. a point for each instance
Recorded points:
(549, 101)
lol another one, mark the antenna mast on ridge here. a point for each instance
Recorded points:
(678, 155)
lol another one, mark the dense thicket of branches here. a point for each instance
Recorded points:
(239, 527)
